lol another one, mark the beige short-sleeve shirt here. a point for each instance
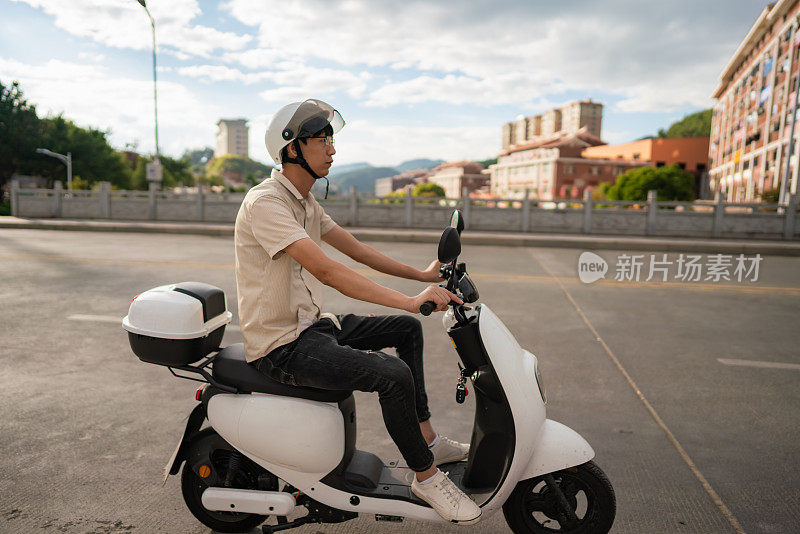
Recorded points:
(277, 297)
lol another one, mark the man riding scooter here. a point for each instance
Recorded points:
(280, 269)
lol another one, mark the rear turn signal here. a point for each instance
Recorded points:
(198, 393)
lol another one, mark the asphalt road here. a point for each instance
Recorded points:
(686, 390)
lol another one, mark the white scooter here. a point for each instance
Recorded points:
(271, 448)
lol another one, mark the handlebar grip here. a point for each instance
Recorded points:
(427, 307)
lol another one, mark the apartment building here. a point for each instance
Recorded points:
(232, 138)
(752, 117)
(565, 120)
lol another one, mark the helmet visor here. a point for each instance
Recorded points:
(311, 117)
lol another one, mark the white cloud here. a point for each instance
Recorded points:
(298, 82)
(390, 144)
(91, 56)
(124, 24)
(220, 73)
(87, 95)
(510, 88)
(487, 53)
(254, 58)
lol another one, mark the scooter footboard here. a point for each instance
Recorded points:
(559, 447)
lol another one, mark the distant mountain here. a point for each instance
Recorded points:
(363, 175)
(363, 178)
(349, 167)
(415, 164)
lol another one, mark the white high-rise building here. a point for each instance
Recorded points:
(558, 121)
(232, 138)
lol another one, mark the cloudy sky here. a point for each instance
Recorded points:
(412, 79)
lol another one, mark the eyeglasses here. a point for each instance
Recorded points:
(328, 139)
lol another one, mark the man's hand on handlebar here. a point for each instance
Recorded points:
(439, 296)
(431, 274)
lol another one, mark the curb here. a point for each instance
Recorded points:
(594, 242)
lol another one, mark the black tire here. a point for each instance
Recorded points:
(533, 508)
(193, 486)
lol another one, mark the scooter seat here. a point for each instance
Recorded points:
(231, 369)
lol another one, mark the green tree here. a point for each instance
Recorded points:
(694, 125)
(93, 159)
(199, 156)
(175, 172)
(428, 189)
(671, 183)
(20, 130)
(198, 159)
(240, 165)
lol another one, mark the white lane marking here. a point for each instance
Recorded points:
(757, 363)
(95, 318)
(657, 418)
(118, 320)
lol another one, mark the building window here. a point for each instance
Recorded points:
(569, 169)
(594, 170)
(660, 163)
(681, 165)
(637, 155)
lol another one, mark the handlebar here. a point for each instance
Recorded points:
(428, 306)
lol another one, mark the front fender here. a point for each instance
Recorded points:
(559, 447)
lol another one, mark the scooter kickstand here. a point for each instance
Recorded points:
(300, 521)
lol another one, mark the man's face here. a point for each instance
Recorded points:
(319, 152)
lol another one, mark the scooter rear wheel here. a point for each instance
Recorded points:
(535, 508)
(193, 487)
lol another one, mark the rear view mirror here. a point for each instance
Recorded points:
(457, 221)
(449, 245)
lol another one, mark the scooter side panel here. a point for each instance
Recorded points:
(296, 434)
(515, 368)
(559, 447)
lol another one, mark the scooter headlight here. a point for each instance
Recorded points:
(539, 383)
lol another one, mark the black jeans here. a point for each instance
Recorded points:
(325, 357)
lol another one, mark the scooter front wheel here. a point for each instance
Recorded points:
(576, 500)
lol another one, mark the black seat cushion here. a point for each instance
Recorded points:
(231, 369)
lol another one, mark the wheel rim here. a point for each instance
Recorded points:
(542, 509)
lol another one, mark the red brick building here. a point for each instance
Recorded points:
(753, 114)
(554, 168)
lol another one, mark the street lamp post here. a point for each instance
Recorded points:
(155, 90)
(66, 160)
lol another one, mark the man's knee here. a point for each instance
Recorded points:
(411, 324)
(398, 375)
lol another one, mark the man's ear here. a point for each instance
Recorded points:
(291, 150)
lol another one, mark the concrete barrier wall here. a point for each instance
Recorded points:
(667, 219)
(557, 221)
(685, 223)
(36, 206)
(130, 209)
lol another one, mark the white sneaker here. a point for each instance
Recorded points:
(449, 502)
(448, 450)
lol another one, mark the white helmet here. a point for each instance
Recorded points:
(298, 120)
